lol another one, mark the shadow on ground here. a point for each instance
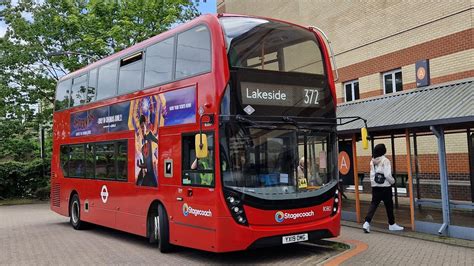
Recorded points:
(319, 250)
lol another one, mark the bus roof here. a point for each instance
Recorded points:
(207, 18)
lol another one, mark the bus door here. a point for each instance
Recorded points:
(196, 197)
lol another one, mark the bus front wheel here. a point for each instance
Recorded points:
(75, 213)
(159, 233)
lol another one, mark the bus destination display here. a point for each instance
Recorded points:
(281, 95)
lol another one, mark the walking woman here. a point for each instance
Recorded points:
(381, 180)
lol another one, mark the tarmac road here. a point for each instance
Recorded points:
(33, 234)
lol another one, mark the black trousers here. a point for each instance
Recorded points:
(381, 194)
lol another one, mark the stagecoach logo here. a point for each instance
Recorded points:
(196, 212)
(104, 194)
(281, 216)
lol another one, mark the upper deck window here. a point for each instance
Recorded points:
(193, 52)
(131, 73)
(159, 62)
(107, 80)
(270, 45)
(62, 95)
(78, 90)
(92, 87)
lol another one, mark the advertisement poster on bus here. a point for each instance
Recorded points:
(145, 118)
(147, 114)
(180, 106)
(100, 120)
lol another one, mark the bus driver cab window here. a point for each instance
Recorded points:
(197, 172)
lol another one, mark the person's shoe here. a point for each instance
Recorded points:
(366, 227)
(395, 227)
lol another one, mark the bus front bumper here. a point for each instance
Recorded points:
(232, 236)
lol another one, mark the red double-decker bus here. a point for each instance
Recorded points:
(218, 135)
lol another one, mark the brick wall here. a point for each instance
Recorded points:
(360, 30)
(426, 144)
(371, 37)
(458, 163)
(451, 44)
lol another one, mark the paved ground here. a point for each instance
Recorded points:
(32, 235)
(390, 249)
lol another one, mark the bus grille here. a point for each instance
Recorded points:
(55, 195)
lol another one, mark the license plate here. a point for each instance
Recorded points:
(294, 238)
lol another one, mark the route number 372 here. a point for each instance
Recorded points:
(311, 96)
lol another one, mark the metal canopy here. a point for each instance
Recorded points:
(439, 104)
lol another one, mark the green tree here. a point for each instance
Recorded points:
(94, 27)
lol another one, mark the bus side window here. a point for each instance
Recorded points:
(193, 54)
(62, 95)
(159, 62)
(122, 160)
(64, 159)
(107, 85)
(78, 90)
(197, 172)
(77, 165)
(90, 161)
(130, 74)
(105, 160)
(92, 86)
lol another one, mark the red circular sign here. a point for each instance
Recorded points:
(344, 163)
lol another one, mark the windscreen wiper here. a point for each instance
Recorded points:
(295, 123)
(253, 123)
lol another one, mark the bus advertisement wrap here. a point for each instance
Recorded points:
(180, 106)
(149, 113)
(100, 120)
(176, 107)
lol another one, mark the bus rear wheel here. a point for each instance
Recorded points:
(75, 213)
(159, 230)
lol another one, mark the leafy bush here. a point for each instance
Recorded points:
(43, 193)
(23, 179)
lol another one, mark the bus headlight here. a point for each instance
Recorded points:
(236, 207)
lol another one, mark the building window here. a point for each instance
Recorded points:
(392, 81)
(351, 90)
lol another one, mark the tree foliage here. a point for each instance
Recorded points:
(35, 29)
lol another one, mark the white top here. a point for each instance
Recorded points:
(381, 165)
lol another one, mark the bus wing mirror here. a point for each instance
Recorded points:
(201, 146)
(365, 140)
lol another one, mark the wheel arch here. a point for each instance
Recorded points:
(153, 209)
(73, 192)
